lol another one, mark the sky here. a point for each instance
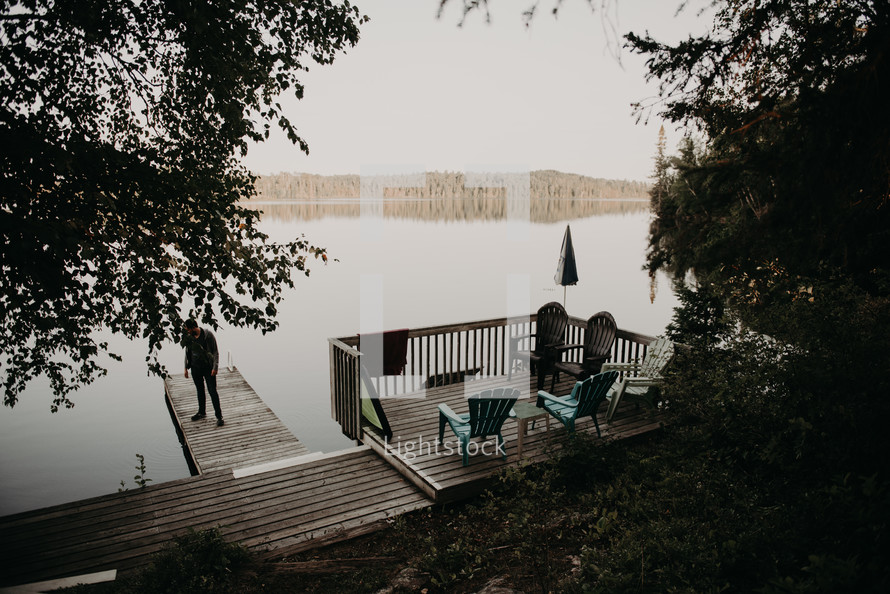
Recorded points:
(425, 94)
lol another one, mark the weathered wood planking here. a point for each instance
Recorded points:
(323, 500)
(441, 475)
(252, 434)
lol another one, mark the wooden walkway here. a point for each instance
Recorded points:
(323, 499)
(440, 473)
(259, 485)
(252, 434)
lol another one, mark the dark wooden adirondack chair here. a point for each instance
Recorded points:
(585, 399)
(596, 350)
(550, 333)
(488, 411)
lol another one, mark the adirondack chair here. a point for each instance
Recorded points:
(550, 333)
(599, 337)
(488, 411)
(642, 387)
(584, 400)
(372, 409)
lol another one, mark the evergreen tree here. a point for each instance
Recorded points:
(796, 169)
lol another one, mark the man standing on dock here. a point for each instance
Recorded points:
(202, 357)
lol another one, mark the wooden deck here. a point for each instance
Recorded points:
(323, 499)
(440, 473)
(262, 488)
(252, 434)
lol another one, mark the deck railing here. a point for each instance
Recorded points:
(441, 355)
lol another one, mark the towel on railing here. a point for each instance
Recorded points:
(394, 351)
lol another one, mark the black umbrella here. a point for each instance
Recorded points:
(566, 272)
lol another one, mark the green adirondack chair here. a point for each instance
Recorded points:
(641, 379)
(585, 399)
(488, 411)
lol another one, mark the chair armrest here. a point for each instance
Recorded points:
(561, 348)
(594, 364)
(556, 399)
(597, 359)
(621, 366)
(554, 346)
(445, 410)
(643, 381)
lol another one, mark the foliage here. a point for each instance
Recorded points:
(197, 561)
(702, 320)
(139, 478)
(121, 127)
(529, 526)
(795, 171)
(778, 215)
(531, 10)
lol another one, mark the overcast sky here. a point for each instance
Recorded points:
(421, 92)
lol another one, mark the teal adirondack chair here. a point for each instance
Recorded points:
(488, 411)
(585, 399)
(641, 379)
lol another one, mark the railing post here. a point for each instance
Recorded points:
(346, 388)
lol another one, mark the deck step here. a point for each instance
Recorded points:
(295, 461)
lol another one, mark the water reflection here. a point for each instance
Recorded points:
(449, 209)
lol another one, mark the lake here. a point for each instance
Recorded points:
(437, 267)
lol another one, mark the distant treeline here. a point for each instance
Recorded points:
(543, 185)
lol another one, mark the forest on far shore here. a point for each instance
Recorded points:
(546, 184)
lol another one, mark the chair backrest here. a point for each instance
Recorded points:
(550, 326)
(658, 356)
(371, 408)
(489, 409)
(591, 392)
(601, 331)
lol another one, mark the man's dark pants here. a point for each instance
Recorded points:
(200, 377)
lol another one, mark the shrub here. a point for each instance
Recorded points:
(199, 561)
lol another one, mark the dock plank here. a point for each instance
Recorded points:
(252, 435)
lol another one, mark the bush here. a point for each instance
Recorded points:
(199, 561)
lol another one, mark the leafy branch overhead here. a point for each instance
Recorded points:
(121, 129)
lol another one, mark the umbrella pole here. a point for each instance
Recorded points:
(564, 289)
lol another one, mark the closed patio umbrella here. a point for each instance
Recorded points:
(566, 272)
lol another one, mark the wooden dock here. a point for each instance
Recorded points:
(323, 499)
(252, 434)
(259, 485)
(440, 473)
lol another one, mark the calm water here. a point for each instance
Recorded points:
(435, 270)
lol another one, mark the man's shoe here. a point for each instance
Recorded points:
(198, 416)
(220, 422)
